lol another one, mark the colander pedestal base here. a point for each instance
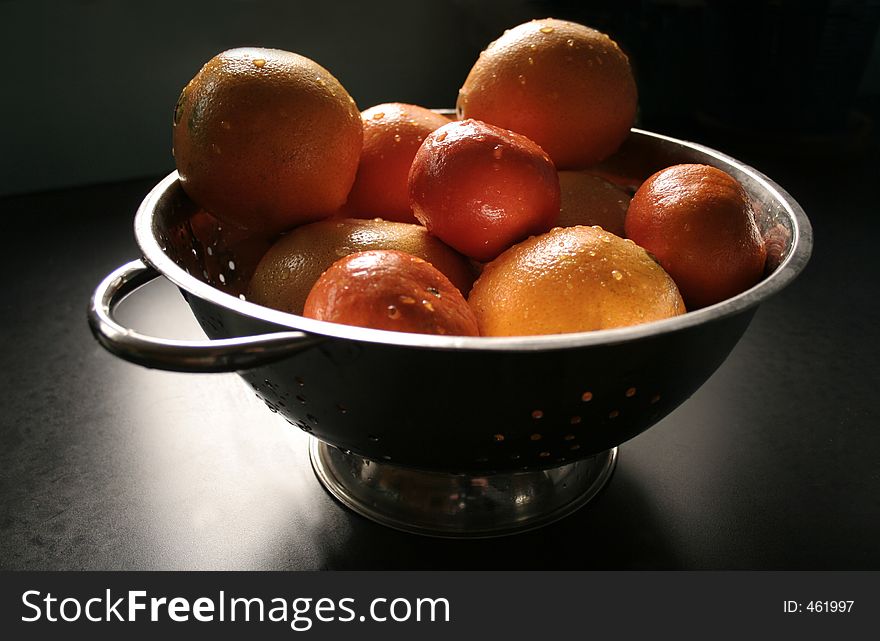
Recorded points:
(459, 505)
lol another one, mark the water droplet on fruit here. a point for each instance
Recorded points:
(616, 274)
(393, 312)
(407, 300)
(546, 29)
(570, 42)
(531, 60)
(231, 264)
(433, 291)
(441, 136)
(321, 81)
(497, 152)
(428, 305)
(259, 63)
(522, 79)
(225, 125)
(378, 115)
(396, 137)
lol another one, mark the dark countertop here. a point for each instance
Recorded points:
(773, 464)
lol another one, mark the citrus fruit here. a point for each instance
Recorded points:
(266, 139)
(392, 290)
(590, 200)
(571, 279)
(393, 132)
(566, 86)
(481, 188)
(289, 269)
(698, 222)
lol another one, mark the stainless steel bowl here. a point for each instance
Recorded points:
(453, 436)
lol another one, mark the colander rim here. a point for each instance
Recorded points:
(791, 265)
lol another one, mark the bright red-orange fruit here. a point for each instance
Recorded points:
(698, 223)
(393, 133)
(481, 188)
(391, 290)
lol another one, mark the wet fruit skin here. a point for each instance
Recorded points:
(390, 290)
(393, 132)
(480, 188)
(698, 222)
(565, 86)
(266, 139)
(572, 279)
(287, 272)
(591, 200)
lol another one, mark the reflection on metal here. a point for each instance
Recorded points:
(459, 505)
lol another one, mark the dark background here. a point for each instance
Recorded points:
(90, 84)
(773, 464)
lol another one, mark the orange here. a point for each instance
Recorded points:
(266, 139)
(393, 132)
(482, 188)
(572, 279)
(591, 200)
(566, 86)
(699, 224)
(289, 269)
(386, 289)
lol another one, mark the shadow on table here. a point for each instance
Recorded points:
(619, 529)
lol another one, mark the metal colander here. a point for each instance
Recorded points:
(454, 436)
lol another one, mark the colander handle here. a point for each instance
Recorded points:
(223, 355)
